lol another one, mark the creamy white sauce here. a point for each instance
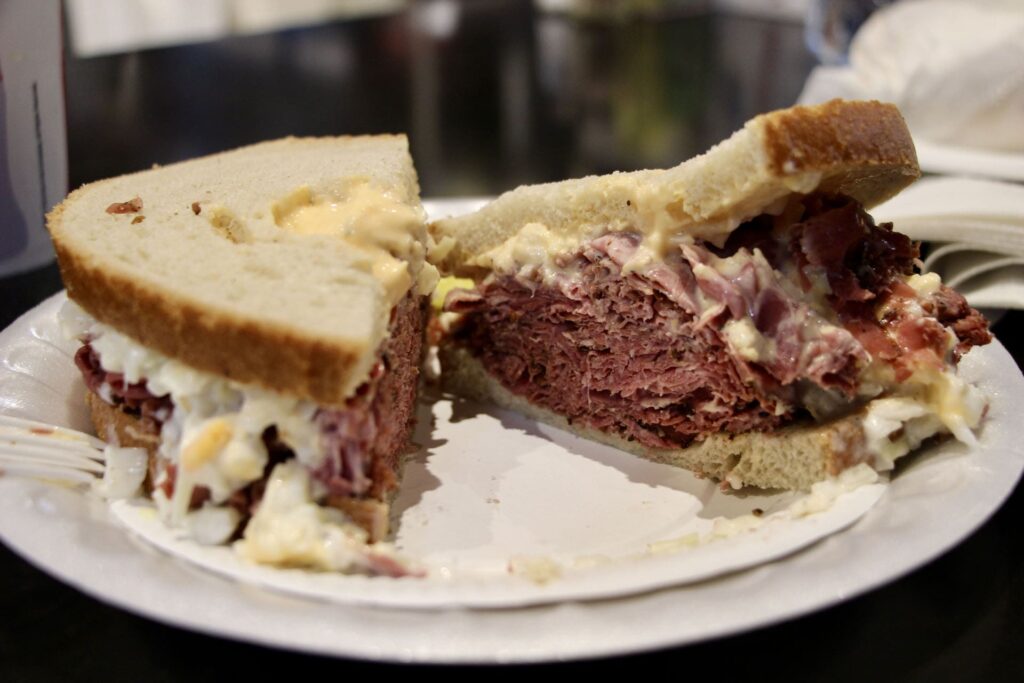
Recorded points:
(530, 254)
(212, 524)
(123, 473)
(824, 493)
(203, 404)
(822, 496)
(214, 438)
(290, 529)
(746, 341)
(931, 403)
(539, 569)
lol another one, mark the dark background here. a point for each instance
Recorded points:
(506, 96)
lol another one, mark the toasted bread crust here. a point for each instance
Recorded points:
(864, 149)
(217, 342)
(794, 457)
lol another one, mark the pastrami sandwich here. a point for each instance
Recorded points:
(254, 319)
(740, 315)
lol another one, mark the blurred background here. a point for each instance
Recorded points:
(492, 93)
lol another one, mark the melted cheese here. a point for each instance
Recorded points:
(123, 473)
(532, 251)
(536, 568)
(372, 220)
(445, 285)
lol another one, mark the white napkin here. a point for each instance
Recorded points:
(976, 231)
(955, 68)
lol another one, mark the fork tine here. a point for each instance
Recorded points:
(21, 456)
(50, 431)
(46, 473)
(20, 439)
(68, 458)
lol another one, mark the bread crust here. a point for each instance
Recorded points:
(794, 457)
(232, 347)
(861, 149)
(119, 428)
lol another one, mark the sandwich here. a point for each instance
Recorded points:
(254, 321)
(740, 315)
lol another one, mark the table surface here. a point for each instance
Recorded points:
(495, 95)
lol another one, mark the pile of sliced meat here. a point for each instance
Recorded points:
(642, 352)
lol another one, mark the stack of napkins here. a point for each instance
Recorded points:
(975, 235)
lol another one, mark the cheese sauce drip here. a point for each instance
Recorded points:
(388, 230)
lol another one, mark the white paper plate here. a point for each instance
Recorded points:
(932, 504)
(541, 501)
(496, 492)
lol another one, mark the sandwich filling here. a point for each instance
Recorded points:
(223, 449)
(813, 311)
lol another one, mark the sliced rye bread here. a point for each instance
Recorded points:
(200, 271)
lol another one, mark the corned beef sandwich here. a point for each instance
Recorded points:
(254, 320)
(740, 315)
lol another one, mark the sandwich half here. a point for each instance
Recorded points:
(740, 315)
(254, 320)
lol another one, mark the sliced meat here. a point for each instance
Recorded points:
(647, 353)
(625, 359)
(365, 439)
(134, 399)
(953, 311)
(635, 354)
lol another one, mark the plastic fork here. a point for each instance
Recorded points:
(45, 451)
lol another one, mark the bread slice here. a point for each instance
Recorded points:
(860, 149)
(203, 272)
(794, 457)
